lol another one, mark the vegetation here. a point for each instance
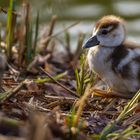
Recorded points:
(48, 94)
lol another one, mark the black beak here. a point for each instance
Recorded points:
(93, 41)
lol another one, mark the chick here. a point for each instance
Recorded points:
(115, 59)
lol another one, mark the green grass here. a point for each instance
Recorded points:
(125, 134)
(82, 77)
(28, 42)
(128, 109)
(10, 31)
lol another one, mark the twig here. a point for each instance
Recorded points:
(59, 98)
(14, 71)
(32, 107)
(109, 105)
(62, 31)
(132, 119)
(52, 24)
(70, 91)
(5, 96)
(5, 11)
(106, 94)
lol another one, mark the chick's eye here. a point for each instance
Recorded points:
(104, 32)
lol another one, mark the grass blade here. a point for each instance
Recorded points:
(36, 33)
(127, 110)
(9, 28)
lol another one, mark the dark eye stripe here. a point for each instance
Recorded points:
(104, 32)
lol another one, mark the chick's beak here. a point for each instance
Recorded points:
(92, 41)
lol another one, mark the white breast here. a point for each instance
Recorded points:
(97, 59)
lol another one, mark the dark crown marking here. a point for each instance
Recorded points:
(107, 21)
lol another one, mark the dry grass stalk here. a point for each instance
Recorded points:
(81, 104)
(51, 28)
(106, 94)
(5, 96)
(70, 91)
(132, 119)
(65, 29)
(22, 34)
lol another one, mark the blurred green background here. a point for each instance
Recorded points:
(85, 11)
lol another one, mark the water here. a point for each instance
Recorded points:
(87, 12)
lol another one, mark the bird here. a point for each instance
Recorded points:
(114, 58)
